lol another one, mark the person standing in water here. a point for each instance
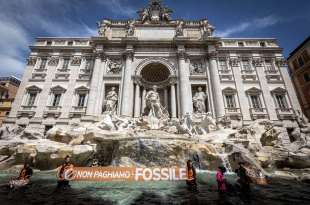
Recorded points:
(63, 182)
(191, 176)
(221, 181)
(244, 180)
(23, 179)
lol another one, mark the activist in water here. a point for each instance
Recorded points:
(62, 171)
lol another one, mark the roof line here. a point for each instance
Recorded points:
(299, 47)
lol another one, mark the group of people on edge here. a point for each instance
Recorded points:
(243, 182)
(64, 172)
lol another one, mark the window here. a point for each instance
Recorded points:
(255, 100)
(70, 43)
(31, 99)
(281, 101)
(240, 44)
(66, 64)
(230, 101)
(295, 64)
(87, 66)
(269, 65)
(56, 100)
(223, 65)
(43, 63)
(305, 56)
(306, 77)
(81, 100)
(301, 61)
(262, 44)
(49, 43)
(246, 65)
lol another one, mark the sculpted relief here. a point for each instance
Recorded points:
(196, 67)
(155, 13)
(114, 66)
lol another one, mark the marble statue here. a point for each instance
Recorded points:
(153, 103)
(103, 27)
(131, 28)
(144, 15)
(165, 14)
(179, 28)
(199, 101)
(111, 101)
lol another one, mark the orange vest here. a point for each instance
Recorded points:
(190, 175)
(22, 174)
(63, 169)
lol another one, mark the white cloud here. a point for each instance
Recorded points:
(118, 7)
(20, 19)
(257, 23)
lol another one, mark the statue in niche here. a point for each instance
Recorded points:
(199, 100)
(111, 101)
(131, 28)
(114, 67)
(196, 67)
(179, 28)
(153, 103)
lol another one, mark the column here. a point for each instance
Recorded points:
(185, 87)
(127, 95)
(173, 102)
(143, 101)
(166, 98)
(281, 64)
(137, 101)
(270, 106)
(210, 92)
(216, 86)
(94, 88)
(242, 97)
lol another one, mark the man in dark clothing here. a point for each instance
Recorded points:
(244, 181)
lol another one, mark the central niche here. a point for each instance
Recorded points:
(155, 72)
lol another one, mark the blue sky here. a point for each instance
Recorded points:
(21, 21)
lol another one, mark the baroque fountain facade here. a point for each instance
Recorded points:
(154, 91)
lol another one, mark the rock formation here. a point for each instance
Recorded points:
(119, 142)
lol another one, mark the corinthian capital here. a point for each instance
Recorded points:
(212, 55)
(182, 54)
(100, 55)
(129, 53)
(281, 62)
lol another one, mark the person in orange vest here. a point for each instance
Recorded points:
(191, 176)
(63, 173)
(23, 179)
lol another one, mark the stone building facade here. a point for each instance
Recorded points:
(8, 90)
(299, 65)
(67, 80)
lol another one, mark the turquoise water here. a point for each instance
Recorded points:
(42, 191)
